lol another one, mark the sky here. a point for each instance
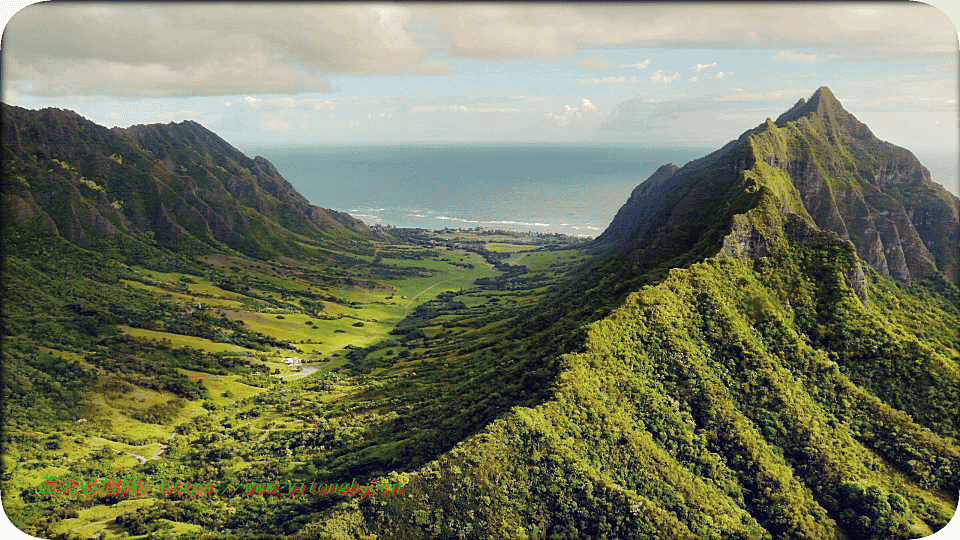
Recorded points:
(325, 74)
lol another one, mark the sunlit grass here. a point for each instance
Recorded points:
(178, 340)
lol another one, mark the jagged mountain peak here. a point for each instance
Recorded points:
(827, 114)
(822, 100)
(818, 163)
(824, 94)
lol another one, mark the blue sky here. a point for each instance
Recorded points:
(320, 74)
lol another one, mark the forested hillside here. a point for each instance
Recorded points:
(822, 164)
(176, 186)
(763, 382)
(765, 343)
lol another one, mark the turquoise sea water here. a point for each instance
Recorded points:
(571, 189)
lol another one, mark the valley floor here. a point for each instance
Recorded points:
(277, 360)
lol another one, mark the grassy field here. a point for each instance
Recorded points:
(178, 340)
(419, 290)
(320, 311)
(506, 247)
(361, 315)
(219, 385)
(99, 519)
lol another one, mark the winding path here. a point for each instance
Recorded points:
(310, 370)
(143, 460)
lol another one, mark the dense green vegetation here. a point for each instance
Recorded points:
(725, 369)
(760, 430)
(231, 429)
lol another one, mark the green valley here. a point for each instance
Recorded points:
(146, 393)
(765, 343)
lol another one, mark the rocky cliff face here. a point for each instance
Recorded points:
(635, 211)
(816, 162)
(870, 192)
(180, 182)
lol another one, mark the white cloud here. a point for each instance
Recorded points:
(597, 62)
(131, 51)
(787, 56)
(902, 93)
(561, 119)
(508, 31)
(693, 79)
(268, 114)
(777, 94)
(700, 67)
(390, 17)
(621, 79)
(867, 12)
(285, 103)
(638, 65)
(193, 49)
(274, 123)
(432, 66)
(720, 75)
(65, 77)
(467, 110)
(661, 77)
(570, 113)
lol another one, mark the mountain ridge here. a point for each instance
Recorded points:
(179, 182)
(827, 167)
(726, 369)
(755, 380)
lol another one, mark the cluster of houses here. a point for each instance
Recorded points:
(293, 361)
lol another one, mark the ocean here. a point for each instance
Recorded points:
(573, 189)
(552, 188)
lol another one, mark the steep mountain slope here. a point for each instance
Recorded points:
(703, 409)
(764, 384)
(822, 164)
(180, 183)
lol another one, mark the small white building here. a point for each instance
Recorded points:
(294, 361)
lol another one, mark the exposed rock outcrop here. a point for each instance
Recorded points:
(818, 163)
